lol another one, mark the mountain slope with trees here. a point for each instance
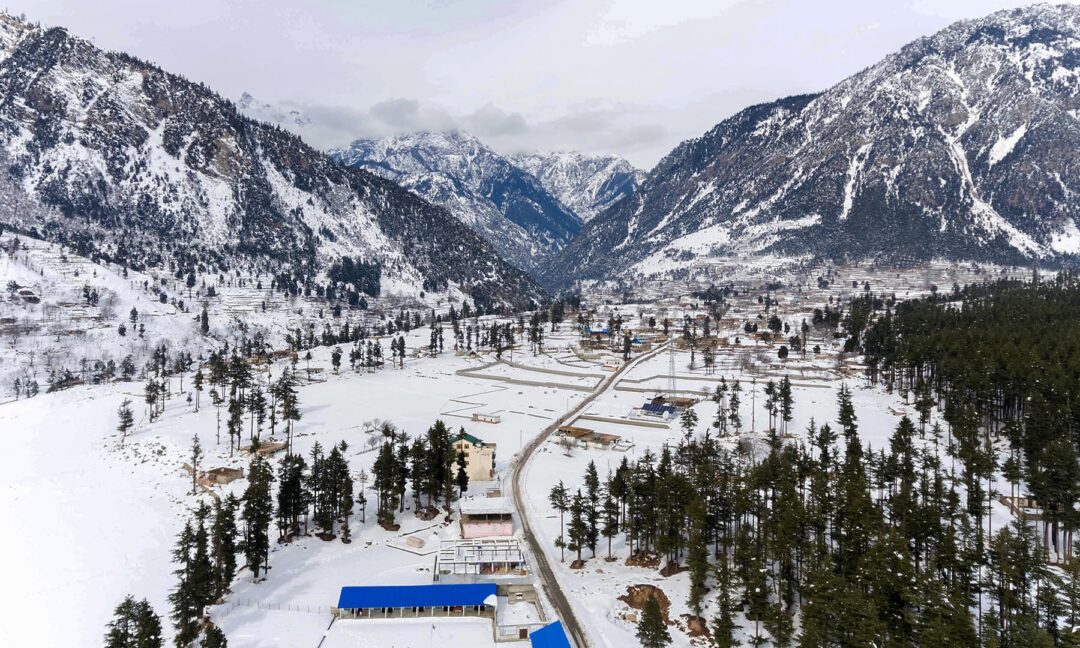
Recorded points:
(961, 145)
(133, 164)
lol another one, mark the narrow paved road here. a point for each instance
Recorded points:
(551, 585)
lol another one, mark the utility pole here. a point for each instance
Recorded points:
(753, 404)
(671, 368)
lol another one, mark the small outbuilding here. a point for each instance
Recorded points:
(586, 437)
(486, 517)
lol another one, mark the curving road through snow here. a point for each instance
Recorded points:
(550, 582)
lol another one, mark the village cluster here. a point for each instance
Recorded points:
(611, 382)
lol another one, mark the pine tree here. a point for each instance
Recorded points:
(258, 512)
(198, 381)
(560, 501)
(284, 392)
(734, 418)
(462, 477)
(134, 625)
(578, 533)
(223, 544)
(592, 506)
(652, 632)
(346, 504)
(196, 457)
(236, 421)
(185, 598)
(126, 419)
(292, 496)
(385, 474)
(610, 519)
(201, 580)
(698, 558)
(723, 625)
(214, 638)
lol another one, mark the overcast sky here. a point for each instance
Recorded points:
(627, 77)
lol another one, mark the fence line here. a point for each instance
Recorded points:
(299, 608)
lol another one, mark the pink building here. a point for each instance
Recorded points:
(486, 517)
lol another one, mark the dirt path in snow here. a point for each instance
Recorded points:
(550, 583)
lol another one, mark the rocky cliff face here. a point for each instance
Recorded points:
(587, 184)
(961, 145)
(132, 163)
(505, 205)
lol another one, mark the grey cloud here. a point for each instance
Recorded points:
(397, 112)
(493, 121)
(636, 131)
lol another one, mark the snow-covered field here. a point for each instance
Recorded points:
(97, 521)
(89, 521)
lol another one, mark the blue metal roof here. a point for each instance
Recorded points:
(657, 408)
(396, 596)
(550, 636)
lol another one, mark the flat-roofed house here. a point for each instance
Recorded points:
(486, 517)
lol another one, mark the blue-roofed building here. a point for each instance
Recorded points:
(658, 409)
(410, 601)
(550, 636)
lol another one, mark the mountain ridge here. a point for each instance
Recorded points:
(485, 190)
(140, 166)
(956, 146)
(587, 184)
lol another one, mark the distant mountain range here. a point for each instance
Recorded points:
(961, 145)
(485, 190)
(133, 164)
(529, 206)
(587, 184)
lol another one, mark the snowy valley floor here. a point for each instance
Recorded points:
(90, 521)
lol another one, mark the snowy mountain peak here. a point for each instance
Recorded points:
(960, 145)
(289, 118)
(128, 163)
(485, 190)
(587, 184)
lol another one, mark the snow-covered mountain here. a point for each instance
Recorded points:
(291, 119)
(961, 145)
(507, 206)
(131, 163)
(587, 184)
